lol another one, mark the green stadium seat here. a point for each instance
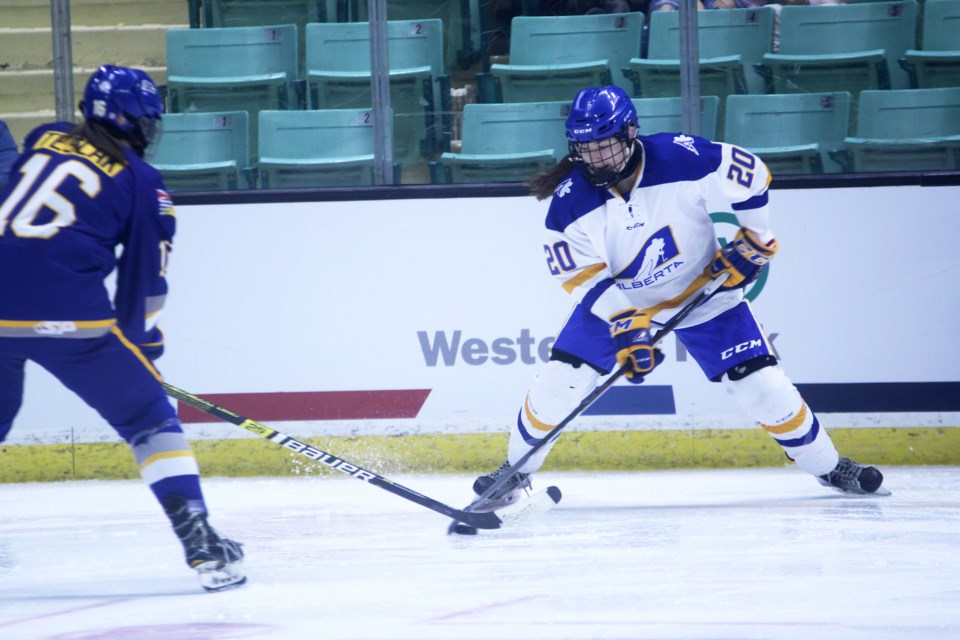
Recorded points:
(231, 69)
(261, 13)
(551, 58)
(463, 23)
(338, 77)
(505, 143)
(730, 42)
(937, 63)
(792, 133)
(324, 148)
(905, 130)
(655, 115)
(204, 151)
(253, 13)
(846, 47)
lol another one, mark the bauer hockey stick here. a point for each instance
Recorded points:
(702, 296)
(488, 520)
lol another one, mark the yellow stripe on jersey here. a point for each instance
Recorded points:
(79, 324)
(698, 283)
(583, 276)
(133, 348)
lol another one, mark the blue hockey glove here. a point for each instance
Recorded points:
(154, 348)
(630, 331)
(744, 258)
(152, 351)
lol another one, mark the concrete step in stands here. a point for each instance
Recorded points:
(125, 32)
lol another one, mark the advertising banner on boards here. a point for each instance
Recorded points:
(433, 316)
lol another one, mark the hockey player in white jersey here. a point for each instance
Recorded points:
(629, 236)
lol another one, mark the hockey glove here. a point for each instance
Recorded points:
(744, 259)
(630, 331)
(154, 348)
(152, 351)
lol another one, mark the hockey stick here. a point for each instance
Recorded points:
(702, 296)
(487, 520)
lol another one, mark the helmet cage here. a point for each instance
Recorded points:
(601, 128)
(605, 162)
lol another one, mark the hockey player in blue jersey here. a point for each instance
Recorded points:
(77, 194)
(629, 236)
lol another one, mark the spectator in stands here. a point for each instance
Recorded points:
(504, 11)
(674, 5)
(702, 5)
(588, 7)
(8, 154)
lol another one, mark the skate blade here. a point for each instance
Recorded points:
(495, 504)
(214, 576)
(882, 492)
(537, 504)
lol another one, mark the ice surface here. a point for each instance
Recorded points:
(670, 555)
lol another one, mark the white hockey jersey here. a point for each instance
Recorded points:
(649, 250)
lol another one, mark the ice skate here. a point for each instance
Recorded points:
(218, 561)
(509, 493)
(854, 478)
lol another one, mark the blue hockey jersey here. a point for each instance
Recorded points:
(65, 216)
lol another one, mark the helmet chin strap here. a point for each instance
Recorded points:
(632, 162)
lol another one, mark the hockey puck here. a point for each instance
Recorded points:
(463, 529)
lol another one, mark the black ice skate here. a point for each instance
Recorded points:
(510, 492)
(852, 477)
(218, 561)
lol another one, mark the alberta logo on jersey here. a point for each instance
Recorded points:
(686, 142)
(656, 260)
(563, 188)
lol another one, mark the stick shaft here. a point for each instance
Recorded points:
(479, 520)
(705, 293)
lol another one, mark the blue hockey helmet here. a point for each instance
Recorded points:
(598, 113)
(603, 114)
(128, 100)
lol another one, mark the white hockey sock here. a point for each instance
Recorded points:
(805, 442)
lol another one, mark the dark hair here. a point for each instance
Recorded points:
(104, 137)
(544, 184)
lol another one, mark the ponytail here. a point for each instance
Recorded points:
(544, 184)
(104, 137)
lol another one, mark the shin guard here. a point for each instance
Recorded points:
(769, 397)
(557, 390)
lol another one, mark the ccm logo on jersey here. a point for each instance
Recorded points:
(740, 348)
